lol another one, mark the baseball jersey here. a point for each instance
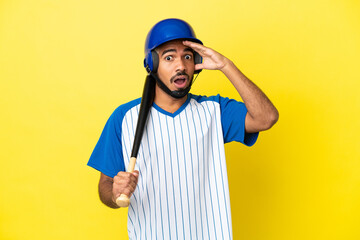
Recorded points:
(182, 190)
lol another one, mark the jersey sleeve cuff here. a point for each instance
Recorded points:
(107, 173)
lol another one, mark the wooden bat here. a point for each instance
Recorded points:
(146, 103)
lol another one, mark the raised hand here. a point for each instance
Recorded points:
(211, 59)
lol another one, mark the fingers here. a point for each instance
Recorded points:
(125, 183)
(201, 49)
(193, 44)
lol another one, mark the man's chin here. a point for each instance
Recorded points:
(181, 89)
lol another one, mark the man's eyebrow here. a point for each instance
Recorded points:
(188, 49)
(168, 50)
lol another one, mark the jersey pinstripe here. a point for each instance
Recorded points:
(182, 190)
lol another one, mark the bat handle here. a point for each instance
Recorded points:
(123, 200)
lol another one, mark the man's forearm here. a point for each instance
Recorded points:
(105, 193)
(257, 103)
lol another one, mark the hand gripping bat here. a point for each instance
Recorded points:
(146, 103)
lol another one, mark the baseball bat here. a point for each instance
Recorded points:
(146, 103)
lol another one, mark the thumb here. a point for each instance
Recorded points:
(199, 66)
(135, 173)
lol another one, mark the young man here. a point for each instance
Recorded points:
(179, 188)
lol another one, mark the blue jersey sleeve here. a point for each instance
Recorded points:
(107, 155)
(233, 115)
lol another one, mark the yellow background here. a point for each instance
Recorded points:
(66, 65)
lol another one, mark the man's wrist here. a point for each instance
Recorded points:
(228, 66)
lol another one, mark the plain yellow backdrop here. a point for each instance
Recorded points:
(66, 65)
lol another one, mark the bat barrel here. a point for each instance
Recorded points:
(146, 103)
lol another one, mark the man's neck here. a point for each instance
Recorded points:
(166, 102)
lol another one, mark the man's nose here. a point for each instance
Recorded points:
(181, 65)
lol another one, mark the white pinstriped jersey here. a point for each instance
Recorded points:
(182, 190)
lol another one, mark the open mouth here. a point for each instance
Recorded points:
(180, 81)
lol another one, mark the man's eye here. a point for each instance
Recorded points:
(188, 57)
(168, 58)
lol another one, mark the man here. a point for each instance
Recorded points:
(179, 188)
